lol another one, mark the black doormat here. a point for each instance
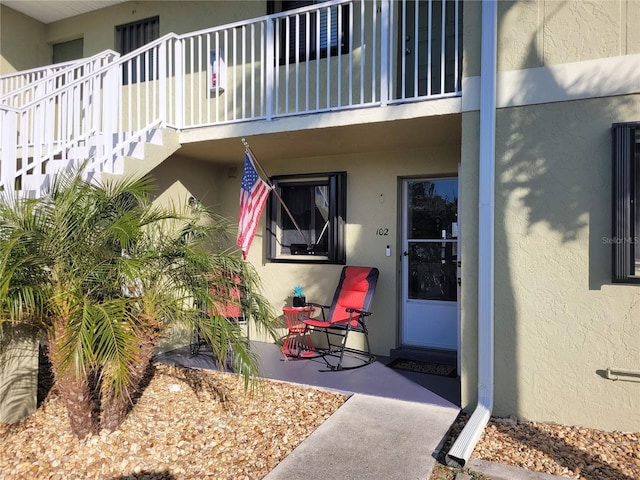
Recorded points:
(429, 368)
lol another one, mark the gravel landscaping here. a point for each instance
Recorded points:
(193, 424)
(188, 424)
(572, 452)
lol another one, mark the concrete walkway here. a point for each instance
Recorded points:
(371, 438)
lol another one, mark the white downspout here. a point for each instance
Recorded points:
(461, 450)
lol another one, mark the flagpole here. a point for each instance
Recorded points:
(275, 191)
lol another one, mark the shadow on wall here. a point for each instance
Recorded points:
(552, 190)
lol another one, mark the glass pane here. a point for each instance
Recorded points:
(309, 206)
(432, 271)
(321, 217)
(432, 209)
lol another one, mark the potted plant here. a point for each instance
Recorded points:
(299, 300)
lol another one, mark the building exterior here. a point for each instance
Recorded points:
(367, 117)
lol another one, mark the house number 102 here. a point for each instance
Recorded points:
(382, 232)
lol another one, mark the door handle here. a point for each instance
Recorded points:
(405, 253)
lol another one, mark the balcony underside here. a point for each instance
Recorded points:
(326, 134)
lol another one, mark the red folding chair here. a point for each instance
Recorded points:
(348, 312)
(230, 308)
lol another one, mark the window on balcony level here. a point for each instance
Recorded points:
(310, 35)
(132, 36)
(308, 225)
(67, 51)
(625, 238)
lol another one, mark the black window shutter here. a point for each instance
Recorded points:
(623, 143)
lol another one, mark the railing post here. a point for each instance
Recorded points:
(385, 36)
(162, 82)
(179, 96)
(9, 147)
(270, 68)
(111, 93)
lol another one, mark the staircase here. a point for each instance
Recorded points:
(137, 158)
(156, 146)
(56, 118)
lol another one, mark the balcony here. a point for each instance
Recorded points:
(330, 57)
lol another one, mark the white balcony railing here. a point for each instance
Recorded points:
(332, 56)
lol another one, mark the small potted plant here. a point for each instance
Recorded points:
(299, 300)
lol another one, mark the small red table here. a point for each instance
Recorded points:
(297, 343)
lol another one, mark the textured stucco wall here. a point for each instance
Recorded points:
(559, 322)
(537, 33)
(22, 42)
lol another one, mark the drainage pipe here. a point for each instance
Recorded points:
(616, 373)
(461, 450)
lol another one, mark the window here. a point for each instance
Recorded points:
(132, 36)
(316, 35)
(625, 239)
(67, 51)
(308, 224)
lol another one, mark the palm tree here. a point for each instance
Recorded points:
(104, 275)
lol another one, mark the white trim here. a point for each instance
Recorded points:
(462, 448)
(604, 77)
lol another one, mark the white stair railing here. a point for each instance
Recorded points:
(85, 119)
(20, 88)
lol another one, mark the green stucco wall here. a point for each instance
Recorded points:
(22, 42)
(559, 321)
(551, 32)
(539, 33)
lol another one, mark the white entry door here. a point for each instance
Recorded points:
(430, 263)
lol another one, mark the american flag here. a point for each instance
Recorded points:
(253, 195)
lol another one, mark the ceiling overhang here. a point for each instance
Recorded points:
(48, 11)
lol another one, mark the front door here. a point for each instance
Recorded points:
(429, 263)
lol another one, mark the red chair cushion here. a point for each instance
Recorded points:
(351, 294)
